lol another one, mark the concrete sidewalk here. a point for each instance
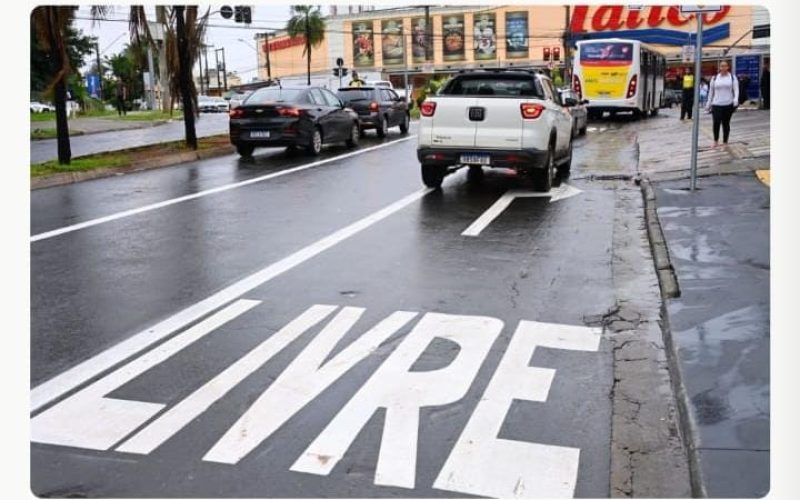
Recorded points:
(718, 243)
(97, 125)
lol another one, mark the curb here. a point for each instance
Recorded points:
(76, 133)
(669, 289)
(61, 179)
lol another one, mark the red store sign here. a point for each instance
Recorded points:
(616, 17)
(284, 43)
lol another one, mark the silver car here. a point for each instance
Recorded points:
(577, 108)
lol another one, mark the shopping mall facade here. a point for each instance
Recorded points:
(390, 43)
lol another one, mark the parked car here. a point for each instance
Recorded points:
(307, 117)
(507, 118)
(236, 98)
(577, 108)
(671, 97)
(41, 107)
(209, 104)
(377, 108)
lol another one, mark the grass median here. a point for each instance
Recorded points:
(127, 157)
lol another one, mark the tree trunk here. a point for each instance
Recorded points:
(308, 52)
(163, 79)
(185, 77)
(60, 90)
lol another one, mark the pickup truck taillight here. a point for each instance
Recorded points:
(236, 113)
(632, 86)
(373, 106)
(576, 86)
(427, 108)
(531, 111)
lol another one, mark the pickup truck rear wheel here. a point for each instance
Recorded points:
(433, 175)
(543, 177)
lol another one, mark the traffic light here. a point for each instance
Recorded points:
(237, 13)
(546, 51)
(344, 71)
(247, 15)
(335, 71)
(556, 53)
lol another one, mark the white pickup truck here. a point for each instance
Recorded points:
(495, 118)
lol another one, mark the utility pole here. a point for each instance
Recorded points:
(266, 45)
(151, 97)
(216, 60)
(208, 82)
(224, 70)
(698, 60)
(405, 63)
(200, 64)
(567, 43)
(99, 69)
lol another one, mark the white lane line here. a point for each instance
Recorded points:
(227, 187)
(489, 215)
(80, 373)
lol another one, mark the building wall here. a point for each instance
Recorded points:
(546, 26)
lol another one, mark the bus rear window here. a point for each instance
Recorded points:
(600, 52)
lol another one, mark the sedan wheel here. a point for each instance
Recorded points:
(315, 147)
(355, 134)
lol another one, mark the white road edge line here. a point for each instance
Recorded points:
(227, 187)
(73, 377)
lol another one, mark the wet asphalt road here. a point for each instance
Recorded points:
(100, 287)
(82, 145)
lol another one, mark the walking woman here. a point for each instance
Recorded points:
(723, 98)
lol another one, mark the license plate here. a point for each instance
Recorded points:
(475, 159)
(259, 134)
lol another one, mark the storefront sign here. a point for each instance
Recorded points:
(748, 70)
(484, 37)
(617, 17)
(516, 35)
(363, 46)
(392, 41)
(418, 40)
(453, 29)
(286, 43)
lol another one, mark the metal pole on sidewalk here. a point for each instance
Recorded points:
(698, 60)
(151, 95)
(405, 63)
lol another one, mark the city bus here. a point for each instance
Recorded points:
(619, 75)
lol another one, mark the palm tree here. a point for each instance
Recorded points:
(50, 25)
(184, 30)
(307, 21)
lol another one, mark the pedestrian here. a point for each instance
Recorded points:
(703, 92)
(744, 82)
(687, 98)
(723, 98)
(765, 85)
(356, 81)
(122, 97)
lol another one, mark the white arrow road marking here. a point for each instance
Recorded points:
(82, 372)
(562, 192)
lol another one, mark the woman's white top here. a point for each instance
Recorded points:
(723, 90)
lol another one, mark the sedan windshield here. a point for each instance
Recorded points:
(273, 94)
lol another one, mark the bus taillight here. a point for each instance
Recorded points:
(632, 86)
(576, 86)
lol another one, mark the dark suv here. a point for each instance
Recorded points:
(378, 108)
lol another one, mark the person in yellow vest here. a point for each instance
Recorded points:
(356, 81)
(687, 98)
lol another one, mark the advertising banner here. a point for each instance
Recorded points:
(392, 41)
(453, 41)
(485, 37)
(516, 35)
(93, 86)
(363, 46)
(418, 40)
(748, 70)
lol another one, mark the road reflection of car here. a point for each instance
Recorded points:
(671, 97)
(577, 108)
(40, 107)
(306, 117)
(377, 107)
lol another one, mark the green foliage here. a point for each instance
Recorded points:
(555, 75)
(296, 26)
(431, 88)
(42, 62)
(108, 160)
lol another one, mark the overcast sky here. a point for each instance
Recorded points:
(240, 56)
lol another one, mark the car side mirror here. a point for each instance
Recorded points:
(569, 102)
(585, 101)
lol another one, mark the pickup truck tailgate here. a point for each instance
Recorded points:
(502, 123)
(450, 124)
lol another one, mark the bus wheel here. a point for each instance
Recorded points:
(654, 112)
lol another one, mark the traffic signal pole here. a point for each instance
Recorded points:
(698, 59)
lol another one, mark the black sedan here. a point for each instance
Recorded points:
(378, 108)
(292, 117)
